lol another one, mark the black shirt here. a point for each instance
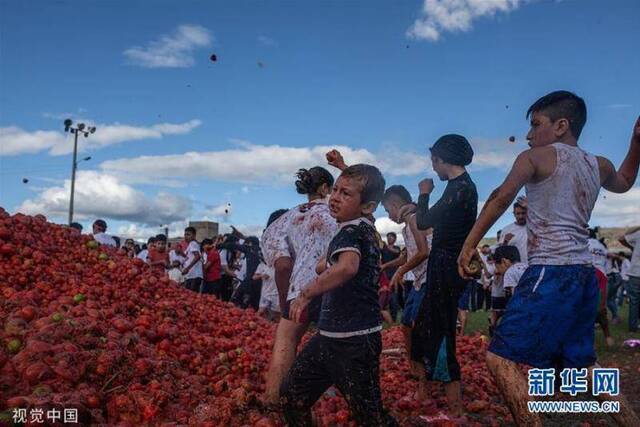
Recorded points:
(389, 255)
(453, 216)
(354, 305)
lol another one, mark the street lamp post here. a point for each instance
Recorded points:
(79, 129)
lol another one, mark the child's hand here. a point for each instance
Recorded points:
(335, 159)
(298, 309)
(467, 255)
(426, 186)
(396, 280)
(407, 209)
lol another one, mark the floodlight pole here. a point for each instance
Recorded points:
(80, 128)
(74, 166)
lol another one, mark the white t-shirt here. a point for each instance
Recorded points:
(303, 233)
(599, 254)
(269, 293)
(104, 239)
(634, 240)
(143, 255)
(196, 270)
(625, 266)
(173, 256)
(487, 273)
(420, 270)
(513, 274)
(497, 287)
(519, 239)
(242, 272)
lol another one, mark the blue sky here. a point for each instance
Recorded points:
(179, 136)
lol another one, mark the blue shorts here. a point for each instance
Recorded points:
(549, 319)
(412, 305)
(463, 302)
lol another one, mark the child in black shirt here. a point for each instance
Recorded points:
(346, 350)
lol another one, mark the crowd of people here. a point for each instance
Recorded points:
(546, 281)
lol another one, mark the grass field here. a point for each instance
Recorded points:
(626, 359)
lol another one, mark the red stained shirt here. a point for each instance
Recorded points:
(215, 268)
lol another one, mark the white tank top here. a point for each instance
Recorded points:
(419, 271)
(560, 208)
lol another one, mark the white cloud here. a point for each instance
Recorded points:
(171, 51)
(495, 154)
(142, 233)
(385, 225)
(245, 189)
(267, 41)
(15, 141)
(250, 163)
(617, 210)
(103, 195)
(439, 16)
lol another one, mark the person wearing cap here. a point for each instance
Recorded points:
(451, 217)
(100, 235)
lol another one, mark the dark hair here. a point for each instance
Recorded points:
(518, 205)
(310, 180)
(275, 215)
(117, 240)
(391, 233)
(253, 240)
(161, 238)
(76, 225)
(593, 232)
(190, 229)
(206, 241)
(486, 246)
(398, 191)
(101, 223)
(151, 240)
(562, 104)
(506, 252)
(128, 240)
(372, 181)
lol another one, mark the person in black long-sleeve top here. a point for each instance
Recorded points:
(451, 217)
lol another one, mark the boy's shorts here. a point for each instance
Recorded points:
(463, 302)
(384, 299)
(498, 303)
(313, 310)
(550, 318)
(412, 305)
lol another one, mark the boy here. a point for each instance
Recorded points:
(212, 269)
(551, 315)
(414, 260)
(599, 255)
(176, 259)
(100, 235)
(158, 256)
(192, 266)
(144, 253)
(508, 269)
(346, 350)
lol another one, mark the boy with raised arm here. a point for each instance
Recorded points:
(550, 318)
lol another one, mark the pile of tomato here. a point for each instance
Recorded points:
(85, 327)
